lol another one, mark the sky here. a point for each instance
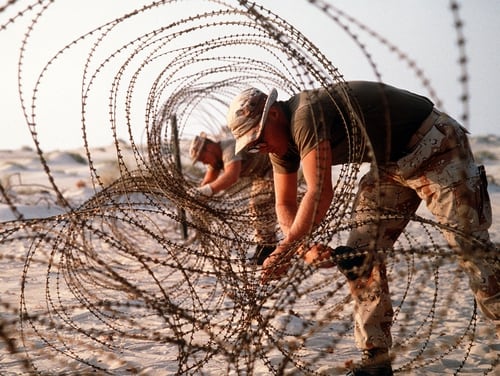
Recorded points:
(422, 29)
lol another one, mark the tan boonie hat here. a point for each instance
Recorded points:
(197, 146)
(247, 115)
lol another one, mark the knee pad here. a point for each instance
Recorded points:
(352, 263)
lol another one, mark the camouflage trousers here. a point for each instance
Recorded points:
(262, 211)
(440, 170)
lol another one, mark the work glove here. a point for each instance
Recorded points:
(261, 253)
(201, 193)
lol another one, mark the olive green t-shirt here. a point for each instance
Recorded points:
(361, 119)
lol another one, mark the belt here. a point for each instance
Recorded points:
(425, 127)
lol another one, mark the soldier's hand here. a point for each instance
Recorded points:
(276, 264)
(318, 255)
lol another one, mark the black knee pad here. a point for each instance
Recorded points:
(350, 262)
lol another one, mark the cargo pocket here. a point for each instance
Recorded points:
(422, 152)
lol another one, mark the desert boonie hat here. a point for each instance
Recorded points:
(197, 146)
(247, 115)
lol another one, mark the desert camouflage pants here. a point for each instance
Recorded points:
(262, 210)
(441, 171)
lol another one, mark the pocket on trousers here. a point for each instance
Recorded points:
(421, 153)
